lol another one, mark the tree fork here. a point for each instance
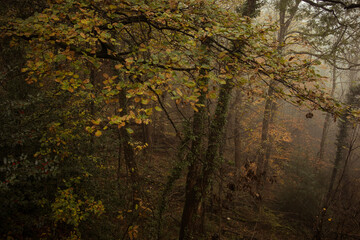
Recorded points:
(198, 179)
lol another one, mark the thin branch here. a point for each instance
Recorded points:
(178, 134)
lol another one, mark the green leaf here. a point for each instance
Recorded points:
(158, 109)
(129, 130)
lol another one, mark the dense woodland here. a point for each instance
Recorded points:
(179, 119)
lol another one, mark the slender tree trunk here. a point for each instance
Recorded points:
(175, 175)
(237, 138)
(327, 118)
(265, 146)
(129, 155)
(269, 148)
(270, 103)
(324, 136)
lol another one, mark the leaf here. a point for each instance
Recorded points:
(149, 111)
(221, 81)
(89, 129)
(119, 66)
(129, 60)
(145, 101)
(158, 109)
(129, 130)
(96, 122)
(98, 133)
(85, 21)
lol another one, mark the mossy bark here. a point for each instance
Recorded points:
(194, 159)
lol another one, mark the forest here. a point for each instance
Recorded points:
(180, 119)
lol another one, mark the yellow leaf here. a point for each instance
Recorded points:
(149, 111)
(96, 122)
(145, 101)
(84, 21)
(98, 133)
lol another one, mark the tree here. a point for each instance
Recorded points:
(270, 104)
(341, 159)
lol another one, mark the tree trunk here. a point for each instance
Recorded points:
(270, 104)
(199, 177)
(237, 139)
(198, 181)
(175, 175)
(129, 155)
(327, 118)
(265, 146)
(216, 133)
(193, 179)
